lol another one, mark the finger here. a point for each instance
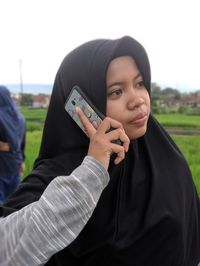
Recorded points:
(109, 123)
(126, 142)
(119, 151)
(88, 127)
(121, 135)
(120, 157)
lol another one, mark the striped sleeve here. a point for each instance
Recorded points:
(39, 230)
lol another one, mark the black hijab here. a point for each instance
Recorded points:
(149, 214)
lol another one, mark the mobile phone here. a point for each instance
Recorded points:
(78, 98)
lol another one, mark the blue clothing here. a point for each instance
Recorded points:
(12, 131)
(7, 186)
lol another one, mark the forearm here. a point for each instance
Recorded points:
(47, 226)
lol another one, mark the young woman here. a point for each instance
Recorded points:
(149, 214)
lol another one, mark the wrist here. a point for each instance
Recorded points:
(103, 160)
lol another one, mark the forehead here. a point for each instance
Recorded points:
(123, 66)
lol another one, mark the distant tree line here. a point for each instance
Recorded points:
(26, 99)
(170, 100)
(167, 100)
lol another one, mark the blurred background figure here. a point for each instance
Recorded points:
(12, 144)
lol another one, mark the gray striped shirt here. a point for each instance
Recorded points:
(39, 230)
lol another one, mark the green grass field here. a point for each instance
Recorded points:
(33, 139)
(189, 145)
(179, 121)
(34, 118)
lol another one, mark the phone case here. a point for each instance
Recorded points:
(78, 98)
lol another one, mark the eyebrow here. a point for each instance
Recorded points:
(115, 83)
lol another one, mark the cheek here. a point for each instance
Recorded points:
(148, 104)
(147, 101)
(113, 110)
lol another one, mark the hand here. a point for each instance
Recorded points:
(4, 146)
(22, 169)
(101, 146)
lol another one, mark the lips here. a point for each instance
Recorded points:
(139, 119)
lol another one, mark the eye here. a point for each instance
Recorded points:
(140, 84)
(115, 93)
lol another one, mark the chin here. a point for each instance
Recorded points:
(137, 133)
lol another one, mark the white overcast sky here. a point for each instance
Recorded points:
(41, 32)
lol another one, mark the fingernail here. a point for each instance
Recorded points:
(77, 109)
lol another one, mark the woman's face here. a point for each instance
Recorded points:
(127, 98)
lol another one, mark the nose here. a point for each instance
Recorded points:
(135, 100)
